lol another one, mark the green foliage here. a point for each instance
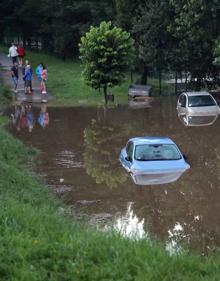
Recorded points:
(216, 61)
(57, 25)
(195, 28)
(106, 53)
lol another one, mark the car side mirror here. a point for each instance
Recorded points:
(185, 158)
(128, 158)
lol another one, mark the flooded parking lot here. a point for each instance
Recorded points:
(79, 159)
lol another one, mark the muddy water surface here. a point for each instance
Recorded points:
(79, 160)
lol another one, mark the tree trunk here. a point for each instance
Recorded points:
(186, 81)
(144, 75)
(160, 79)
(176, 83)
(131, 76)
(105, 95)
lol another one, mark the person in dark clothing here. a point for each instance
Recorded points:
(14, 75)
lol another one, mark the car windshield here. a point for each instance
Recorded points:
(197, 101)
(152, 152)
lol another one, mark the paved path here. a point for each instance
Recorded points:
(37, 96)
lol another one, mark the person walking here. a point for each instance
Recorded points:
(38, 71)
(14, 75)
(43, 79)
(21, 54)
(12, 52)
(27, 79)
(23, 71)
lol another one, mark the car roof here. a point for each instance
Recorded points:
(151, 140)
(197, 93)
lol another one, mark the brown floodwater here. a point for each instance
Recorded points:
(79, 160)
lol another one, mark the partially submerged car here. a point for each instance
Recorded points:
(153, 160)
(197, 103)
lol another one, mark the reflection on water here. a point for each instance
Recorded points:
(175, 239)
(101, 156)
(81, 146)
(130, 225)
(152, 179)
(24, 118)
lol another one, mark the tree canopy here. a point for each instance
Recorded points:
(174, 35)
(106, 53)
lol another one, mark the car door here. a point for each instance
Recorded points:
(181, 104)
(129, 155)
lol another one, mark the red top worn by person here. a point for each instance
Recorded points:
(21, 53)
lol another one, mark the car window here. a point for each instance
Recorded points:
(197, 101)
(182, 100)
(149, 152)
(129, 149)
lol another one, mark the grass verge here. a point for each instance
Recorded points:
(39, 242)
(6, 95)
(67, 85)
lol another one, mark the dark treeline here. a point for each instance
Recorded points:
(175, 35)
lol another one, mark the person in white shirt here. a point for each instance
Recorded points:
(12, 52)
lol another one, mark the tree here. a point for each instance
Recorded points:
(125, 10)
(217, 55)
(195, 26)
(106, 53)
(149, 29)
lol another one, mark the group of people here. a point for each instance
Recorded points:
(24, 117)
(18, 53)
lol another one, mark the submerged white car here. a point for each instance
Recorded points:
(153, 160)
(197, 103)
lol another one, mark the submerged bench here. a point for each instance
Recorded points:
(139, 91)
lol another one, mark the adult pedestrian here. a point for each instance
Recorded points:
(43, 79)
(14, 75)
(12, 52)
(21, 54)
(27, 79)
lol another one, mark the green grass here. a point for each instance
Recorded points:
(6, 95)
(67, 85)
(40, 241)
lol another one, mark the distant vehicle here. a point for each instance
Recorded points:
(139, 91)
(197, 120)
(197, 103)
(153, 160)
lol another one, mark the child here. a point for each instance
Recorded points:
(27, 79)
(43, 79)
(38, 71)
